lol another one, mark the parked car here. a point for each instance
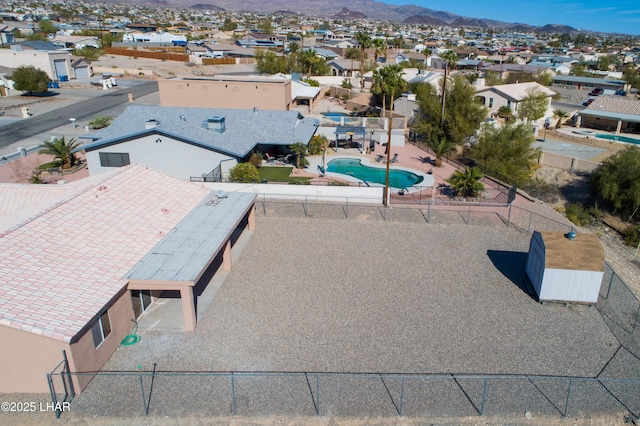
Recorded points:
(588, 102)
(597, 91)
(621, 93)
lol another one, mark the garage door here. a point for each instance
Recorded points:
(61, 69)
(82, 72)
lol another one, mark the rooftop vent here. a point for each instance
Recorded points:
(183, 117)
(150, 124)
(215, 123)
(255, 110)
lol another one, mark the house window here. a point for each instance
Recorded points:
(509, 104)
(101, 329)
(490, 102)
(114, 159)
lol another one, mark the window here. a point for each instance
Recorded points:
(114, 159)
(101, 329)
(509, 104)
(490, 102)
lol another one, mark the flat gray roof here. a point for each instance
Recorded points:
(185, 252)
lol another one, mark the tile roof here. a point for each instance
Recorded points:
(244, 128)
(60, 269)
(615, 104)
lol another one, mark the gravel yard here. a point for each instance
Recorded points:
(363, 296)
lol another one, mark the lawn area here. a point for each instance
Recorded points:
(278, 174)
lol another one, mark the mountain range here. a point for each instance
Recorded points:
(359, 9)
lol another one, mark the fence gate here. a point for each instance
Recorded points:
(61, 385)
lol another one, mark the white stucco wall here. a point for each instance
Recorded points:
(175, 158)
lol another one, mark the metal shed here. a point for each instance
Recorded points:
(565, 267)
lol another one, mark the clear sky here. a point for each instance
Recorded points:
(610, 16)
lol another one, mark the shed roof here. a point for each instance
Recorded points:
(186, 251)
(244, 128)
(585, 253)
(61, 268)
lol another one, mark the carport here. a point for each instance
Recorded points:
(186, 253)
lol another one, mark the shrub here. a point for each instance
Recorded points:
(313, 83)
(581, 215)
(632, 236)
(317, 144)
(346, 84)
(100, 122)
(327, 93)
(256, 159)
(244, 173)
(542, 190)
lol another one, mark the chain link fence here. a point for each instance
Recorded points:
(211, 394)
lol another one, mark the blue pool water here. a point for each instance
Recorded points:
(617, 138)
(353, 167)
(337, 117)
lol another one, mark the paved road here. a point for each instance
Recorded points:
(24, 129)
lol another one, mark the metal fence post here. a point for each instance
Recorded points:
(484, 393)
(428, 213)
(68, 375)
(401, 394)
(233, 394)
(469, 214)
(347, 209)
(635, 321)
(509, 216)
(317, 394)
(52, 391)
(144, 402)
(613, 273)
(566, 403)
(530, 220)
(264, 207)
(304, 206)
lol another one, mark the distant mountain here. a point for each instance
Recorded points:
(360, 9)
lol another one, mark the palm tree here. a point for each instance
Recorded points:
(467, 183)
(301, 152)
(364, 42)
(449, 57)
(380, 46)
(440, 147)
(427, 53)
(560, 115)
(308, 59)
(388, 80)
(62, 152)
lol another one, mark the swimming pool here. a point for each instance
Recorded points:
(353, 167)
(617, 138)
(339, 116)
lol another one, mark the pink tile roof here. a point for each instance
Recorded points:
(60, 268)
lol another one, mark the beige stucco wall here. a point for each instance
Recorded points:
(269, 95)
(38, 59)
(25, 359)
(86, 357)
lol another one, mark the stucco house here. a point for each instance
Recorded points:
(510, 95)
(95, 267)
(611, 113)
(193, 142)
(53, 60)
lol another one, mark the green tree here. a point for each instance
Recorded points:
(47, 27)
(534, 105)
(244, 173)
(301, 150)
(28, 78)
(364, 42)
(463, 115)
(605, 63)
(229, 25)
(440, 147)
(267, 62)
(631, 76)
(318, 144)
(467, 183)
(388, 81)
(507, 150)
(560, 115)
(618, 180)
(62, 152)
(380, 48)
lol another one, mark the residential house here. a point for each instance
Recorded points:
(193, 142)
(265, 41)
(611, 113)
(75, 42)
(610, 85)
(79, 265)
(153, 37)
(504, 70)
(344, 67)
(53, 60)
(417, 57)
(6, 83)
(6, 36)
(510, 95)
